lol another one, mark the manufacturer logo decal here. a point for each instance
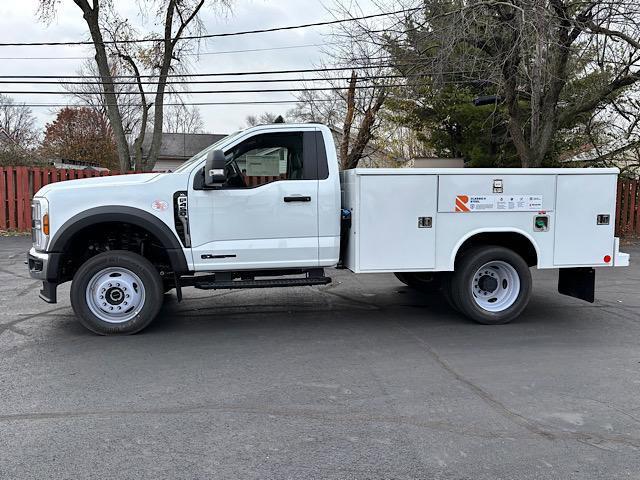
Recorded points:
(159, 205)
(462, 203)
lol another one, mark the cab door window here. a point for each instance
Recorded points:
(266, 158)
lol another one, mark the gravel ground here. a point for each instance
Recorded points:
(363, 378)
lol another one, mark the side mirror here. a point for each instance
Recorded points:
(214, 171)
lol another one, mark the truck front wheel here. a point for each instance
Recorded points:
(491, 285)
(116, 292)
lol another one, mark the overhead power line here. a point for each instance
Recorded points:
(256, 90)
(248, 102)
(191, 82)
(194, 92)
(214, 35)
(366, 78)
(193, 54)
(228, 74)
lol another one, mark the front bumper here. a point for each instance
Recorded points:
(44, 266)
(38, 264)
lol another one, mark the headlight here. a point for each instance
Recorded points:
(40, 223)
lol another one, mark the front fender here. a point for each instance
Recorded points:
(118, 213)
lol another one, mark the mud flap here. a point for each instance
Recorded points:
(48, 293)
(578, 282)
(345, 230)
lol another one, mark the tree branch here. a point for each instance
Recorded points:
(597, 29)
(603, 94)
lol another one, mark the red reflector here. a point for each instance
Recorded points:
(607, 258)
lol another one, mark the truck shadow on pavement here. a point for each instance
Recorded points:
(400, 304)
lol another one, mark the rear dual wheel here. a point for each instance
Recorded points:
(491, 285)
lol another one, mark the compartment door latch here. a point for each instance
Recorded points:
(425, 222)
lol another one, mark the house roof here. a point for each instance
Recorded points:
(181, 145)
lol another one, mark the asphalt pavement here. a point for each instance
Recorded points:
(360, 379)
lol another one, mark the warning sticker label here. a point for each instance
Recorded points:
(497, 203)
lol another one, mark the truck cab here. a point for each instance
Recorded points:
(268, 207)
(276, 207)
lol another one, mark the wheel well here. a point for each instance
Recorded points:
(511, 240)
(102, 237)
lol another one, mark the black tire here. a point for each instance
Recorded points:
(424, 282)
(142, 268)
(445, 289)
(462, 282)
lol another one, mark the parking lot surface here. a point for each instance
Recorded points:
(363, 378)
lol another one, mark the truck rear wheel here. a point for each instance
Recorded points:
(116, 292)
(491, 285)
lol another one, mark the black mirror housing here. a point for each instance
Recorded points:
(214, 169)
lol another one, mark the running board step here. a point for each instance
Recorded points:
(267, 283)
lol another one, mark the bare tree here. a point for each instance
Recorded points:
(353, 105)
(179, 18)
(183, 119)
(90, 95)
(352, 149)
(91, 15)
(18, 122)
(263, 118)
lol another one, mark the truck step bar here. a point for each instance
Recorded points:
(234, 280)
(266, 283)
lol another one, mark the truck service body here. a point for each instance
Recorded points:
(268, 207)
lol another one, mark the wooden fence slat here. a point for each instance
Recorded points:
(11, 197)
(53, 175)
(37, 180)
(633, 185)
(623, 207)
(637, 212)
(3, 199)
(618, 205)
(24, 200)
(19, 199)
(628, 209)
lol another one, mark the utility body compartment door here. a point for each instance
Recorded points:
(397, 222)
(579, 239)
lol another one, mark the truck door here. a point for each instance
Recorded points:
(266, 215)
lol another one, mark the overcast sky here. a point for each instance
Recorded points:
(18, 23)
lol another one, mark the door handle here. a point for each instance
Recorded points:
(297, 198)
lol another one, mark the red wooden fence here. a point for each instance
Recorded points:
(18, 184)
(628, 208)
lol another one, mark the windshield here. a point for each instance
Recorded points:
(203, 154)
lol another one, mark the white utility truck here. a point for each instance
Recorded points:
(268, 207)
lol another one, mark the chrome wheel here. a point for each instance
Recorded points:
(495, 286)
(115, 295)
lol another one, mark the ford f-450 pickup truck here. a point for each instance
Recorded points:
(268, 207)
